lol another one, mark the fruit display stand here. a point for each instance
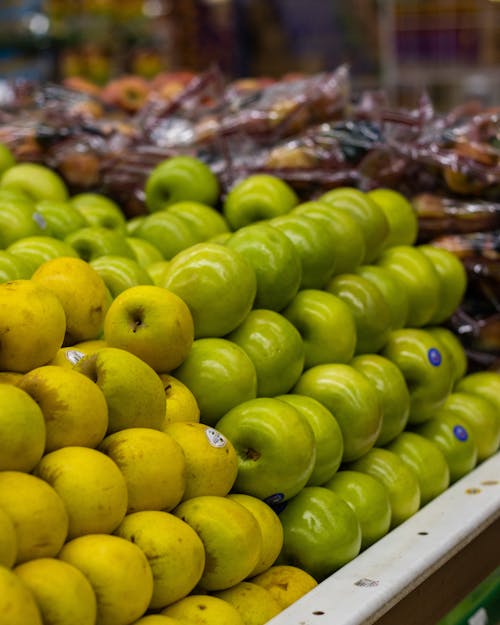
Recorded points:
(419, 571)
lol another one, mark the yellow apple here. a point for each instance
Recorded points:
(10, 377)
(152, 323)
(17, 604)
(231, 537)
(22, 430)
(211, 460)
(203, 610)
(73, 406)
(8, 540)
(63, 594)
(68, 356)
(174, 551)
(133, 391)
(119, 573)
(270, 526)
(181, 403)
(156, 619)
(90, 484)
(255, 604)
(286, 583)
(153, 465)
(32, 326)
(82, 293)
(37, 512)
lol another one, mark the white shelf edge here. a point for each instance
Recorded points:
(404, 558)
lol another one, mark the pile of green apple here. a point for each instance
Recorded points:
(311, 338)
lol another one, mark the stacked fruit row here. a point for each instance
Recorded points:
(205, 412)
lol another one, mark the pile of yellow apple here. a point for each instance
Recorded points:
(134, 396)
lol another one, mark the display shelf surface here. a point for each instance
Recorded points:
(400, 564)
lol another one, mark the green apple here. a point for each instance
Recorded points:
(275, 447)
(483, 383)
(452, 280)
(369, 215)
(91, 242)
(426, 460)
(369, 499)
(60, 216)
(314, 246)
(133, 224)
(157, 271)
(7, 158)
(217, 283)
(13, 267)
(220, 375)
(256, 198)
(180, 178)
(450, 343)
(327, 436)
(400, 481)
(370, 310)
(426, 368)
(321, 532)
(393, 292)
(19, 219)
(275, 347)
(351, 398)
(393, 393)
(38, 182)
(99, 210)
(452, 435)
(418, 277)
(145, 253)
(120, 272)
(204, 221)
(35, 250)
(326, 325)
(347, 237)
(275, 261)
(482, 417)
(167, 232)
(400, 214)
(133, 390)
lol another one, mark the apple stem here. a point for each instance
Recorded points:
(252, 454)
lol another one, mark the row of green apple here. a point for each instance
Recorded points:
(279, 298)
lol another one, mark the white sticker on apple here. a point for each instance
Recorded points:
(40, 220)
(74, 355)
(215, 438)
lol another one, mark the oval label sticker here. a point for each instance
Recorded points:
(215, 438)
(74, 356)
(434, 356)
(460, 433)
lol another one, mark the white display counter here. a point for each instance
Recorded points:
(420, 570)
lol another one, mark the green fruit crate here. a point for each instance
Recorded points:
(480, 607)
(422, 570)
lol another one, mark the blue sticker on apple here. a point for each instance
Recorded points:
(434, 356)
(276, 502)
(460, 433)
